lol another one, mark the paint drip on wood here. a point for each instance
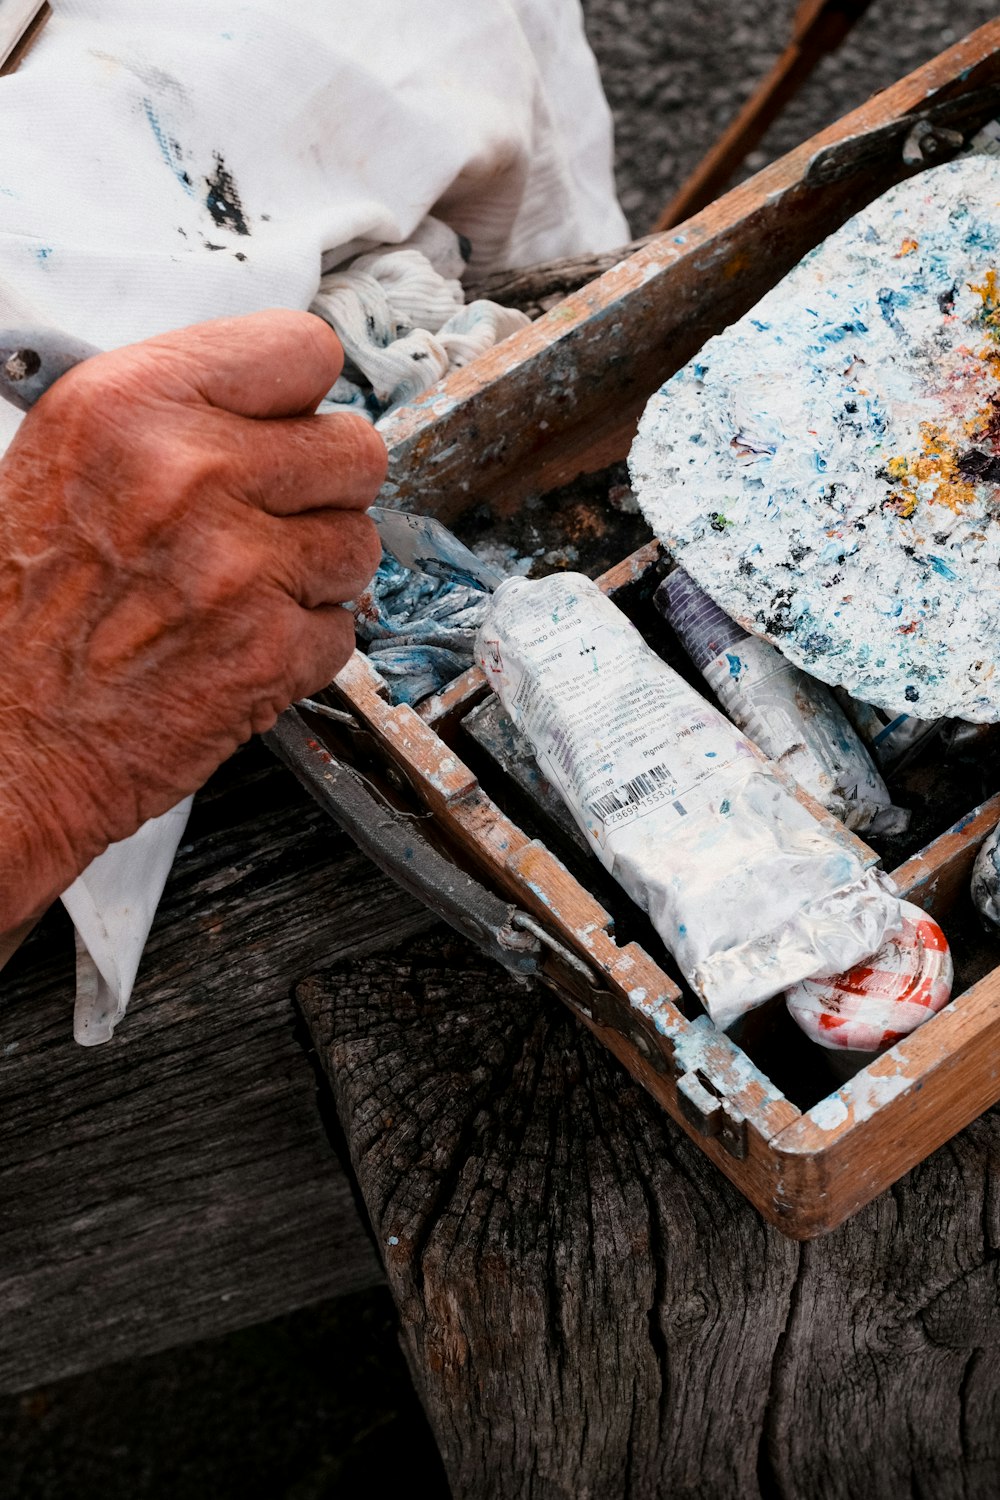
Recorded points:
(828, 468)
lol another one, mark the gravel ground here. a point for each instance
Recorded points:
(319, 1405)
(675, 75)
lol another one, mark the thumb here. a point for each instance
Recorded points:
(278, 363)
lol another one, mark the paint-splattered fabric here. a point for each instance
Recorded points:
(403, 321)
(420, 631)
(829, 467)
(207, 159)
(168, 164)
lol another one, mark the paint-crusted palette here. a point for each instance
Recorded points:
(828, 468)
(561, 399)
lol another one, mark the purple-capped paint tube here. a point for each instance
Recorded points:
(863, 1012)
(794, 719)
(747, 890)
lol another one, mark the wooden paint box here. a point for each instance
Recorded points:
(559, 400)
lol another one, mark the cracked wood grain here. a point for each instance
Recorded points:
(589, 1309)
(575, 1283)
(889, 1381)
(179, 1182)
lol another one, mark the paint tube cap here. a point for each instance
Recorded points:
(884, 998)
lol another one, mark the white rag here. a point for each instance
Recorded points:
(164, 165)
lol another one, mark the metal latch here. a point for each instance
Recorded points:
(928, 137)
(704, 1107)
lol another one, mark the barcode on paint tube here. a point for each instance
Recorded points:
(630, 793)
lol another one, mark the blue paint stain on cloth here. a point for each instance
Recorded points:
(419, 631)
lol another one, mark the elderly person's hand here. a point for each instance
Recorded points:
(178, 531)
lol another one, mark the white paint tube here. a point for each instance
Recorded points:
(789, 715)
(986, 882)
(748, 891)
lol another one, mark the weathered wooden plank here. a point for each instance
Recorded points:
(179, 1181)
(887, 1380)
(589, 1308)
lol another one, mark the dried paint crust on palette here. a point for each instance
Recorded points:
(807, 1152)
(828, 468)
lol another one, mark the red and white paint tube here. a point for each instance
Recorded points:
(746, 888)
(861, 1013)
(794, 719)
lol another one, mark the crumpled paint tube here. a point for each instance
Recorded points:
(744, 886)
(401, 316)
(986, 881)
(420, 631)
(894, 739)
(891, 738)
(793, 718)
(860, 1014)
(960, 738)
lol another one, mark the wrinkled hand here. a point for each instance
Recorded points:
(178, 532)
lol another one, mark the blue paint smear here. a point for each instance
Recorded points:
(838, 334)
(888, 301)
(940, 566)
(42, 254)
(164, 145)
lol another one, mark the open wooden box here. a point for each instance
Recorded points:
(562, 399)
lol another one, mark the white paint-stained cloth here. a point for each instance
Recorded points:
(164, 165)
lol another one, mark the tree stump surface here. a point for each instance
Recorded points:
(589, 1309)
(179, 1181)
